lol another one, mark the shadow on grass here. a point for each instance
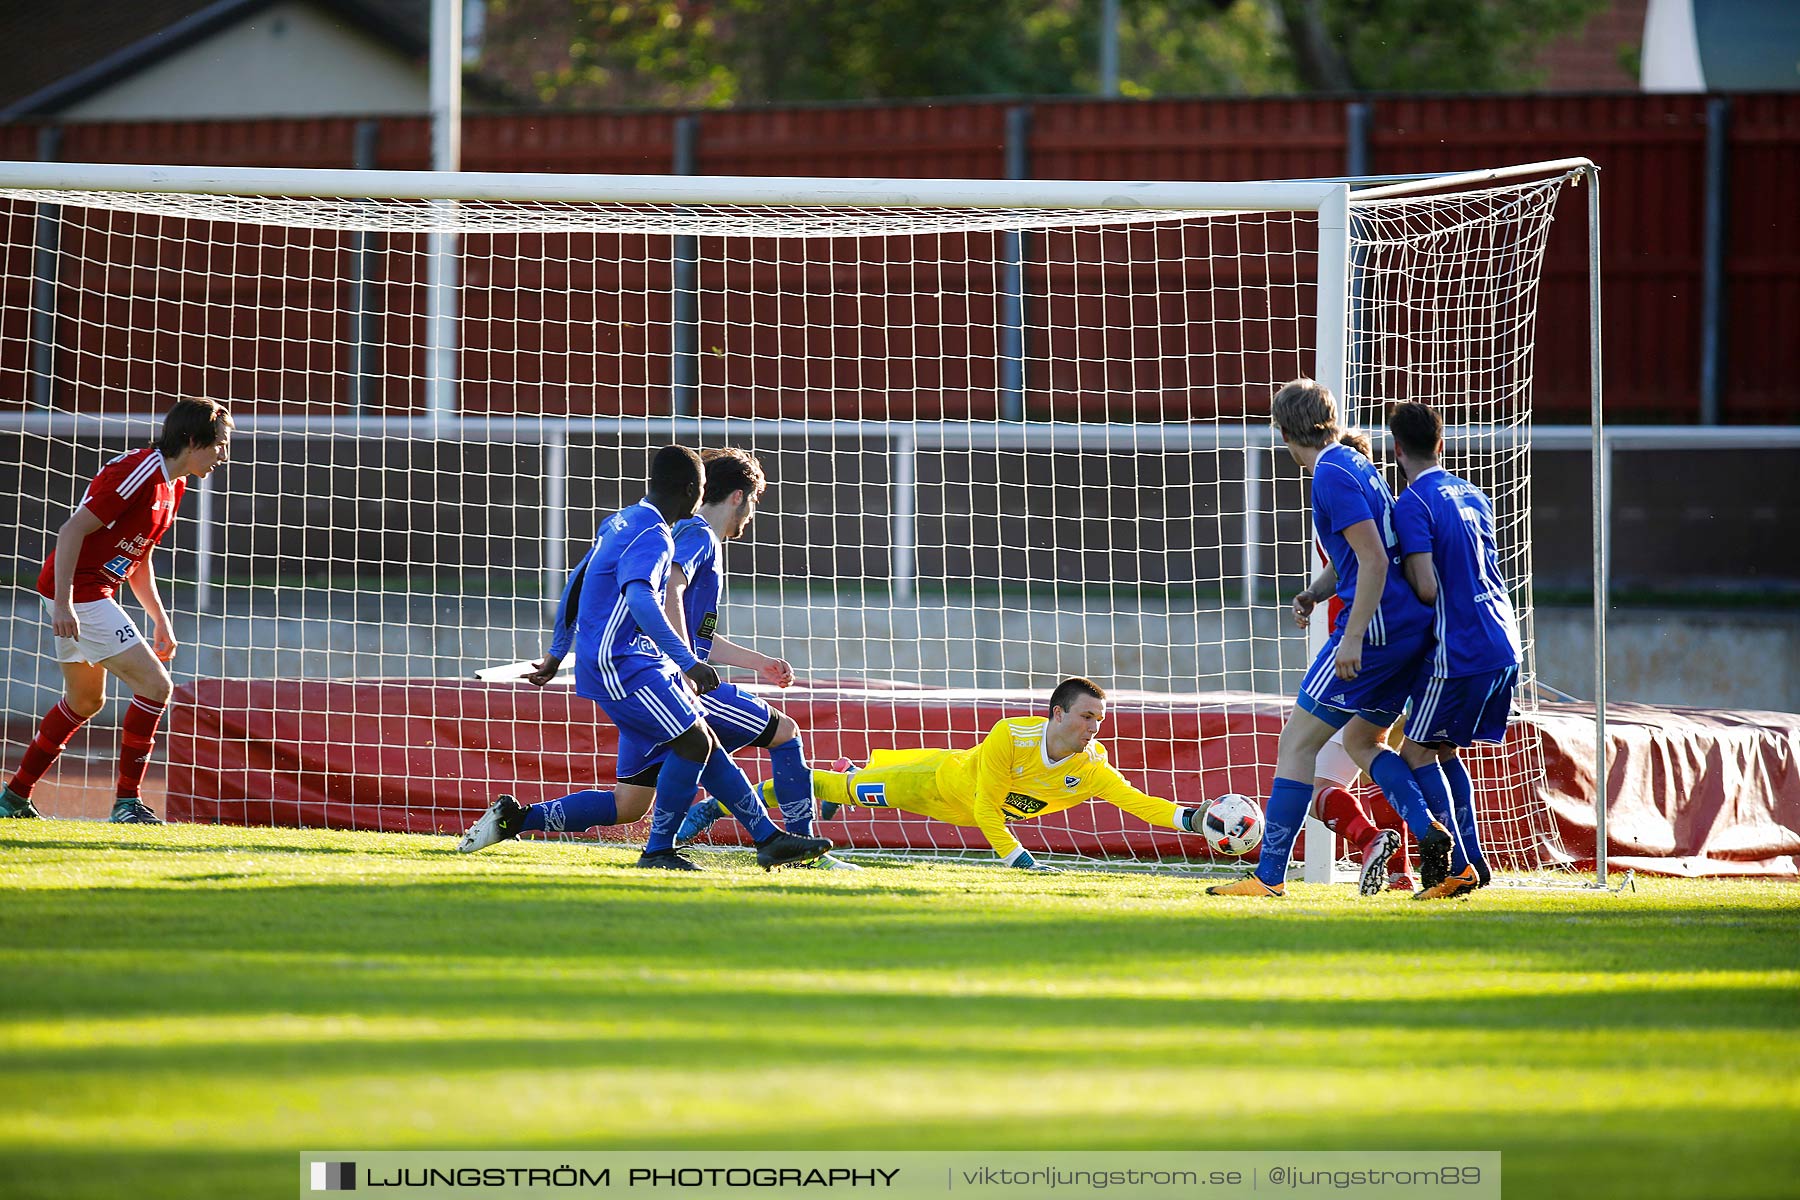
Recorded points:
(614, 948)
(729, 923)
(590, 1026)
(917, 980)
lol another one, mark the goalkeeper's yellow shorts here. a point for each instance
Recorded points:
(902, 779)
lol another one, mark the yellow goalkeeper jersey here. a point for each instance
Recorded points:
(1009, 777)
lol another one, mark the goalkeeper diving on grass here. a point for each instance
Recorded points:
(1026, 767)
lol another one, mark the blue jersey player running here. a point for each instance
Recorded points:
(1361, 678)
(1463, 693)
(632, 663)
(735, 484)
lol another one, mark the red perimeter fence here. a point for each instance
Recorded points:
(1653, 151)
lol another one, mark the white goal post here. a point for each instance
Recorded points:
(1017, 430)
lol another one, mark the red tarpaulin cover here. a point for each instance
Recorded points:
(1695, 791)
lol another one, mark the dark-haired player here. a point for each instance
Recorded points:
(631, 662)
(1026, 767)
(734, 486)
(107, 541)
(1464, 693)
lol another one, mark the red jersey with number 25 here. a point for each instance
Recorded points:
(136, 501)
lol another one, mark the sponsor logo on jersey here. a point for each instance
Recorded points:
(1070, 781)
(709, 625)
(1025, 804)
(117, 566)
(871, 795)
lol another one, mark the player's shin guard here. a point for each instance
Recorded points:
(572, 814)
(1395, 779)
(1436, 790)
(675, 788)
(793, 786)
(727, 784)
(1282, 817)
(1462, 803)
(59, 725)
(137, 738)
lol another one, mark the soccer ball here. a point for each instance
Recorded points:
(1232, 824)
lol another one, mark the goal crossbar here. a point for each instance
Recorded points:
(1145, 196)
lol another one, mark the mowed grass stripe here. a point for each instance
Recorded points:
(187, 1006)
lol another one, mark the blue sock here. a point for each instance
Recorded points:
(1436, 790)
(1395, 779)
(793, 786)
(1282, 818)
(728, 785)
(675, 788)
(1462, 802)
(572, 814)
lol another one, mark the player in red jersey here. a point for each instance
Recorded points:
(126, 511)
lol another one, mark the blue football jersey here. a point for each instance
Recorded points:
(1346, 489)
(697, 553)
(1451, 520)
(612, 655)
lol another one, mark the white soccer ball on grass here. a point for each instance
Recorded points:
(1232, 824)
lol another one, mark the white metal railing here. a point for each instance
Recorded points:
(905, 440)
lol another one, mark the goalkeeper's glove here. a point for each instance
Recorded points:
(1021, 859)
(1189, 819)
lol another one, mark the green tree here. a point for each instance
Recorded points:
(726, 52)
(1423, 45)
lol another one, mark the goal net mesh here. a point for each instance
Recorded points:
(1005, 446)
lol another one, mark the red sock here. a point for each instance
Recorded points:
(59, 725)
(1344, 813)
(137, 737)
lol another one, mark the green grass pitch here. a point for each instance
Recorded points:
(185, 1008)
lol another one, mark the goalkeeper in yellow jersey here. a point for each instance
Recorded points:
(1026, 767)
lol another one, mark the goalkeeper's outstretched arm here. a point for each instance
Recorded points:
(1153, 810)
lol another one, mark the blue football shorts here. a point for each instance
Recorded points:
(1462, 709)
(1380, 689)
(737, 717)
(651, 715)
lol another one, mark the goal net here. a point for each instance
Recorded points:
(1009, 440)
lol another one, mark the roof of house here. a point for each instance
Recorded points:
(52, 55)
